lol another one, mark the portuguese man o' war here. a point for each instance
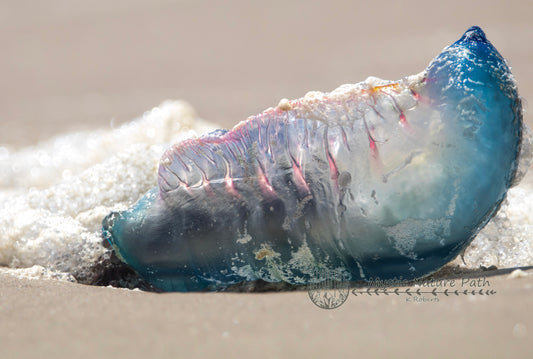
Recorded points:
(381, 179)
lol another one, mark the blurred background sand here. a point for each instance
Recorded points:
(71, 65)
(68, 65)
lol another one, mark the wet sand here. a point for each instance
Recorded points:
(52, 319)
(71, 66)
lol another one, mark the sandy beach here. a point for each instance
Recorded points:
(63, 320)
(70, 66)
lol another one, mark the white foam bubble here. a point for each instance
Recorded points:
(507, 240)
(52, 218)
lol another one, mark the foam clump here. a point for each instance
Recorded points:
(56, 223)
(66, 156)
(506, 240)
(38, 272)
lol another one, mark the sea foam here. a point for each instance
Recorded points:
(54, 195)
